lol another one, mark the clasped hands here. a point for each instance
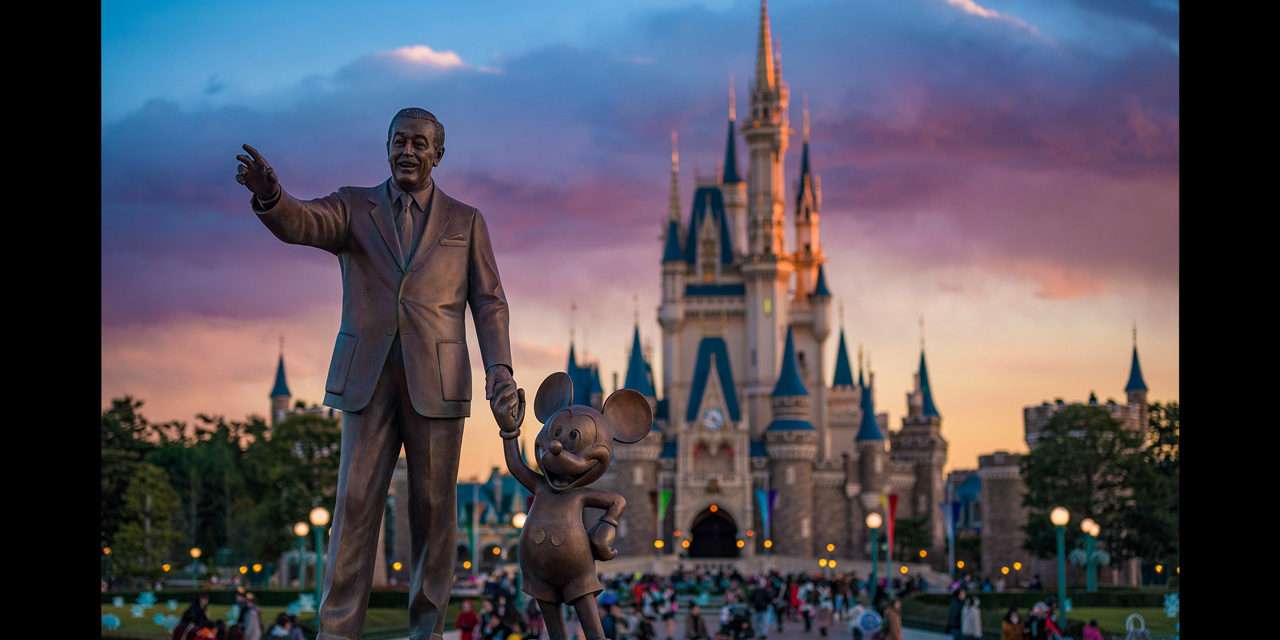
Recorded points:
(506, 400)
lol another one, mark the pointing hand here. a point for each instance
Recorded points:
(254, 173)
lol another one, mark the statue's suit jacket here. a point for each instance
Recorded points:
(452, 267)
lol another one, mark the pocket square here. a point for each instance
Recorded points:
(457, 240)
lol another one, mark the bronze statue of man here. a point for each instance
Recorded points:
(412, 259)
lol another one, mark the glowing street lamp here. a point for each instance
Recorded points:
(195, 555)
(1091, 530)
(300, 530)
(873, 522)
(1060, 517)
(519, 519)
(319, 517)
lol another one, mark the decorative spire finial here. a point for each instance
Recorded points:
(841, 306)
(635, 308)
(282, 344)
(805, 119)
(765, 78)
(1135, 334)
(673, 207)
(573, 313)
(733, 106)
(922, 332)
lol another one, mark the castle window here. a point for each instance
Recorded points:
(804, 527)
(791, 475)
(637, 476)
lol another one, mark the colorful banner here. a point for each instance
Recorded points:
(893, 515)
(664, 501)
(762, 501)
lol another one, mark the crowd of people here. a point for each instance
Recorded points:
(196, 624)
(964, 616)
(681, 607)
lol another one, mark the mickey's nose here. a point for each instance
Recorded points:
(555, 448)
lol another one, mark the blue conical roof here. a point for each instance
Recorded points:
(1136, 383)
(789, 382)
(844, 372)
(280, 388)
(930, 409)
(671, 251)
(596, 387)
(638, 369)
(869, 428)
(805, 178)
(731, 159)
(820, 289)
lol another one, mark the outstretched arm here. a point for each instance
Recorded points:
(321, 223)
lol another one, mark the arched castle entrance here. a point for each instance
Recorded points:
(714, 535)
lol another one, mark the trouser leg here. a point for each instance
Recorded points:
(553, 619)
(432, 448)
(370, 446)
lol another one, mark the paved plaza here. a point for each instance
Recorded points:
(793, 631)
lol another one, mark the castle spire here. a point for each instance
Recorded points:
(731, 175)
(733, 107)
(869, 427)
(673, 205)
(1136, 382)
(844, 373)
(281, 387)
(637, 369)
(861, 380)
(930, 409)
(766, 78)
(789, 382)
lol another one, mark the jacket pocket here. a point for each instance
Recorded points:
(455, 371)
(344, 350)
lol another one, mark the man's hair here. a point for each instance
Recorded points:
(419, 114)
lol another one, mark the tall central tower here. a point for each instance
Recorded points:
(766, 267)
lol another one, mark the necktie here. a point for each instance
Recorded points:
(406, 228)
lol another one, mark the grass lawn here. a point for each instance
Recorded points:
(376, 622)
(1111, 619)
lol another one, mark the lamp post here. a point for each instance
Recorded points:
(301, 529)
(874, 520)
(517, 521)
(319, 517)
(1060, 517)
(1091, 530)
(195, 556)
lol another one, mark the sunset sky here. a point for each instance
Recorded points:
(1006, 169)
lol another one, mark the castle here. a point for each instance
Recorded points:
(753, 450)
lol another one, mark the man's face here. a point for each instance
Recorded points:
(412, 152)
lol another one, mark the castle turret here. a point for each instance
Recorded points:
(766, 134)
(766, 268)
(921, 444)
(280, 394)
(634, 472)
(808, 230)
(1136, 391)
(792, 444)
(735, 190)
(870, 445)
(674, 269)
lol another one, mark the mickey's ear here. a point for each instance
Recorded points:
(555, 394)
(629, 415)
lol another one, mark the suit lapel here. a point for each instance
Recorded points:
(438, 219)
(383, 221)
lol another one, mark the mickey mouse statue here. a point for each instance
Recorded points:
(574, 447)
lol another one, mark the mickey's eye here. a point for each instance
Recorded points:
(557, 433)
(573, 435)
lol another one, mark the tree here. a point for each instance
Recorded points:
(1085, 460)
(147, 536)
(1155, 478)
(290, 473)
